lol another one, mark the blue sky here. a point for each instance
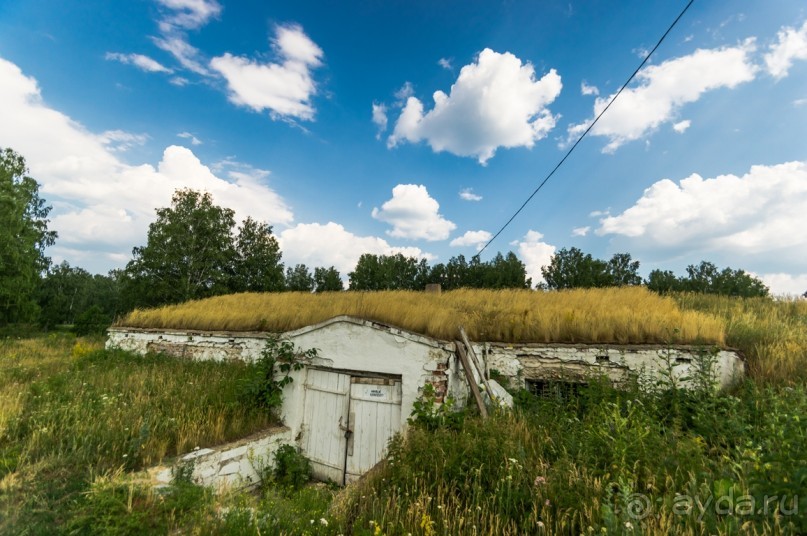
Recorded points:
(420, 127)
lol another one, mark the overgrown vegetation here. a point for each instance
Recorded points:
(72, 413)
(626, 315)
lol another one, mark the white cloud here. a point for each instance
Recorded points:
(785, 284)
(472, 238)
(284, 88)
(681, 126)
(791, 45)
(186, 54)
(467, 194)
(144, 63)
(799, 102)
(404, 93)
(380, 118)
(761, 213)
(598, 213)
(179, 81)
(188, 14)
(414, 214)
(663, 89)
(188, 136)
(102, 204)
(330, 244)
(445, 63)
(581, 231)
(120, 141)
(586, 89)
(535, 253)
(495, 102)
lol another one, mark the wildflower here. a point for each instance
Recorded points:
(540, 524)
(539, 480)
(323, 521)
(628, 525)
(547, 503)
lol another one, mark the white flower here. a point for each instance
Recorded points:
(323, 521)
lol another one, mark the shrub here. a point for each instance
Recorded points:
(292, 470)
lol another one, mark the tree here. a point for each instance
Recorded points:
(257, 266)
(623, 270)
(188, 254)
(327, 280)
(299, 279)
(571, 268)
(24, 236)
(389, 272)
(66, 292)
(662, 281)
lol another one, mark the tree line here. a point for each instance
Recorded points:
(195, 249)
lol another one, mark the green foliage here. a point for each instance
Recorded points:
(93, 321)
(66, 292)
(24, 236)
(292, 470)
(327, 280)
(191, 253)
(706, 278)
(430, 415)
(257, 266)
(299, 278)
(263, 386)
(395, 272)
(389, 272)
(571, 268)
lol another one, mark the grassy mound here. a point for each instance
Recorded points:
(617, 315)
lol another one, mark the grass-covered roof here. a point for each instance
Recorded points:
(617, 315)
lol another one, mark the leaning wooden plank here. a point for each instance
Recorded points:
(476, 364)
(469, 375)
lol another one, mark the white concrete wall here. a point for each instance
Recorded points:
(233, 465)
(577, 362)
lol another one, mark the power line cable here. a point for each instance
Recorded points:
(583, 135)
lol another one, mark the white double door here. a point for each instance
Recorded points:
(347, 422)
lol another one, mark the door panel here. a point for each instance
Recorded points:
(375, 416)
(326, 408)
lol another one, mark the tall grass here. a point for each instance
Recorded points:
(772, 334)
(608, 462)
(70, 411)
(626, 315)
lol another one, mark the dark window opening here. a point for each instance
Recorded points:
(603, 359)
(564, 390)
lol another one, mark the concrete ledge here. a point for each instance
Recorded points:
(235, 465)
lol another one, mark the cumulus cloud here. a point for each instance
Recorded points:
(761, 213)
(681, 126)
(414, 214)
(188, 136)
(472, 238)
(144, 63)
(330, 244)
(785, 284)
(103, 205)
(791, 45)
(535, 253)
(467, 194)
(664, 89)
(581, 231)
(495, 102)
(380, 118)
(586, 89)
(284, 88)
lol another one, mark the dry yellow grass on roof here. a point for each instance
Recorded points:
(617, 315)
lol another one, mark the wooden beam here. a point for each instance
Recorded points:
(469, 375)
(476, 363)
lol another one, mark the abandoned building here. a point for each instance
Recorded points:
(342, 408)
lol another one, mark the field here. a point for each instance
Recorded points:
(76, 419)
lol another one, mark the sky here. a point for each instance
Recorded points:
(420, 127)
